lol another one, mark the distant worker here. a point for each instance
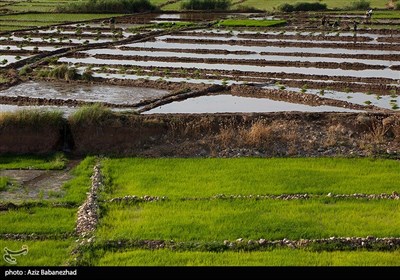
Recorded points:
(355, 23)
(323, 21)
(112, 22)
(368, 16)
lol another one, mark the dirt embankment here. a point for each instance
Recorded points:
(355, 45)
(217, 135)
(392, 57)
(39, 139)
(354, 38)
(229, 135)
(257, 62)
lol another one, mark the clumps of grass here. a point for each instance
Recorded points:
(174, 24)
(31, 118)
(221, 5)
(25, 70)
(95, 114)
(63, 72)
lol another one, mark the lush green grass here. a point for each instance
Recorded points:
(4, 183)
(56, 161)
(207, 177)
(251, 22)
(278, 257)
(25, 24)
(40, 253)
(60, 17)
(38, 220)
(158, 2)
(31, 8)
(251, 219)
(77, 188)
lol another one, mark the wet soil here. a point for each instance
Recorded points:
(285, 44)
(257, 62)
(36, 184)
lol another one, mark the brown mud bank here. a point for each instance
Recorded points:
(257, 62)
(277, 36)
(382, 86)
(289, 134)
(393, 57)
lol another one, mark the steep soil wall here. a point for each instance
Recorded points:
(41, 139)
(219, 135)
(230, 135)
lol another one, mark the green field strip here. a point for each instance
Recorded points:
(272, 219)
(17, 8)
(277, 257)
(38, 220)
(39, 253)
(178, 178)
(55, 161)
(26, 24)
(59, 17)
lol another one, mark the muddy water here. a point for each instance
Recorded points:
(11, 59)
(253, 56)
(385, 73)
(56, 40)
(65, 110)
(293, 33)
(226, 103)
(168, 79)
(83, 92)
(381, 101)
(222, 46)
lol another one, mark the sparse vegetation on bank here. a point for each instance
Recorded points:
(31, 118)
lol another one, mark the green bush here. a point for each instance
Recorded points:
(359, 5)
(108, 6)
(303, 6)
(206, 5)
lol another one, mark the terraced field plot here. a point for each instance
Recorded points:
(324, 62)
(230, 212)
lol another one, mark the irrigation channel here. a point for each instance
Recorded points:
(140, 65)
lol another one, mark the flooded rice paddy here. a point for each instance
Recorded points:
(361, 67)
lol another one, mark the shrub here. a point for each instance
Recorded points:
(303, 6)
(108, 6)
(359, 5)
(206, 5)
